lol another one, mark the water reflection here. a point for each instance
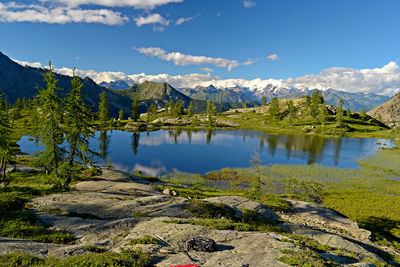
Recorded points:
(104, 143)
(159, 152)
(135, 142)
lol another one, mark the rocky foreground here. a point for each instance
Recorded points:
(117, 208)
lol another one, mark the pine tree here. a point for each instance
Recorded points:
(323, 114)
(348, 113)
(291, 112)
(171, 106)
(190, 109)
(5, 150)
(135, 115)
(210, 110)
(273, 109)
(121, 114)
(363, 114)
(316, 100)
(50, 133)
(178, 108)
(104, 109)
(339, 113)
(152, 110)
(77, 131)
(244, 104)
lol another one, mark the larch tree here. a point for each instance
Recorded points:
(340, 113)
(190, 109)
(5, 150)
(76, 130)
(291, 112)
(274, 109)
(50, 133)
(104, 108)
(135, 115)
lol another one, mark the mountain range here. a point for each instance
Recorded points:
(17, 81)
(237, 94)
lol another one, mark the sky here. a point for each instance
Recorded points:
(349, 45)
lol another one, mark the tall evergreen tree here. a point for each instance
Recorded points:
(178, 108)
(121, 114)
(77, 131)
(50, 133)
(190, 109)
(135, 115)
(104, 109)
(363, 114)
(152, 110)
(171, 106)
(316, 100)
(5, 150)
(274, 109)
(323, 114)
(291, 112)
(340, 113)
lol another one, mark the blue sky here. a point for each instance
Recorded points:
(301, 36)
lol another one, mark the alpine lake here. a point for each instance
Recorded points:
(160, 152)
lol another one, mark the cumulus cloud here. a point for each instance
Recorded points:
(183, 20)
(151, 19)
(384, 80)
(273, 57)
(181, 59)
(139, 4)
(249, 4)
(12, 12)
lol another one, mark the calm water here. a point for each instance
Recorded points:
(160, 152)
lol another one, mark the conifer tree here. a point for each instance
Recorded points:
(178, 108)
(348, 113)
(77, 131)
(291, 112)
(363, 114)
(323, 114)
(190, 109)
(4, 141)
(339, 113)
(104, 109)
(273, 109)
(210, 111)
(135, 115)
(121, 114)
(50, 133)
(152, 110)
(171, 106)
(316, 100)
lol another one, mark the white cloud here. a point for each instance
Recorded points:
(207, 69)
(151, 19)
(139, 4)
(12, 12)
(183, 20)
(384, 80)
(273, 57)
(249, 4)
(180, 59)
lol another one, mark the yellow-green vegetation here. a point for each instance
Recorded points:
(146, 240)
(368, 195)
(223, 217)
(127, 258)
(18, 222)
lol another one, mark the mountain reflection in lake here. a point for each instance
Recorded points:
(157, 153)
